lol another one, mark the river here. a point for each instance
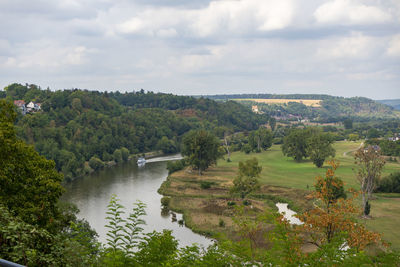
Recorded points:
(130, 183)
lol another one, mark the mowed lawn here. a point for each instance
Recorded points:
(279, 170)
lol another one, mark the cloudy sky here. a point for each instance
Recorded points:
(337, 47)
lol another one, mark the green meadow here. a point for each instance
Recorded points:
(279, 170)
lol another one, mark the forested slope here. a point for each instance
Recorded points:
(75, 126)
(333, 108)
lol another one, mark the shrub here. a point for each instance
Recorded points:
(231, 203)
(389, 184)
(95, 163)
(246, 148)
(246, 202)
(206, 184)
(221, 223)
(165, 201)
(174, 166)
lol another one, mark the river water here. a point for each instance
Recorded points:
(130, 183)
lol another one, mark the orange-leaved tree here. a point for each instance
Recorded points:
(334, 215)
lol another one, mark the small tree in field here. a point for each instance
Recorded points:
(320, 147)
(201, 149)
(370, 164)
(246, 181)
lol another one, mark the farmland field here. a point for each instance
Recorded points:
(307, 102)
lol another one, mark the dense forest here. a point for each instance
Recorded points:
(77, 127)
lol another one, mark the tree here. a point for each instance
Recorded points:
(272, 123)
(319, 147)
(370, 164)
(295, 144)
(166, 145)
(29, 184)
(348, 124)
(334, 217)
(353, 137)
(247, 179)
(201, 149)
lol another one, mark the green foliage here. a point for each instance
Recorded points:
(246, 181)
(353, 137)
(221, 223)
(76, 125)
(157, 249)
(231, 203)
(29, 184)
(348, 124)
(320, 147)
(389, 184)
(309, 142)
(260, 139)
(117, 155)
(334, 186)
(206, 184)
(246, 148)
(125, 154)
(166, 146)
(174, 166)
(95, 163)
(165, 201)
(201, 149)
(295, 144)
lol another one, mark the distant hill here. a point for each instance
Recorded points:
(395, 103)
(332, 108)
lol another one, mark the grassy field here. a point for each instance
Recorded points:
(307, 102)
(282, 178)
(279, 170)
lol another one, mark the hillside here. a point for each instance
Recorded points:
(329, 108)
(81, 130)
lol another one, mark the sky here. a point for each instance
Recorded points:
(191, 47)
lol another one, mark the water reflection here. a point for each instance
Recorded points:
(92, 193)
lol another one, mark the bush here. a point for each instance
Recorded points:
(231, 203)
(246, 148)
(246, 202)
(174, 166)
(221, 223)
(95, 163)
(206, 185)
(389, 184)
(125, 154)
(165, 201)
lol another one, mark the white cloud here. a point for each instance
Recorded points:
(350, 12)
(47, 54)
(355, 46)
(394, 46)
(219, 17)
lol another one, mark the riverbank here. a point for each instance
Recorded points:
(109, 164)
(209, 211)
(282, 180)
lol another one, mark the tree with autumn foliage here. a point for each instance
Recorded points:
(370, 164)
(334, 216)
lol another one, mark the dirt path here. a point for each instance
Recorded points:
(345, 153)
